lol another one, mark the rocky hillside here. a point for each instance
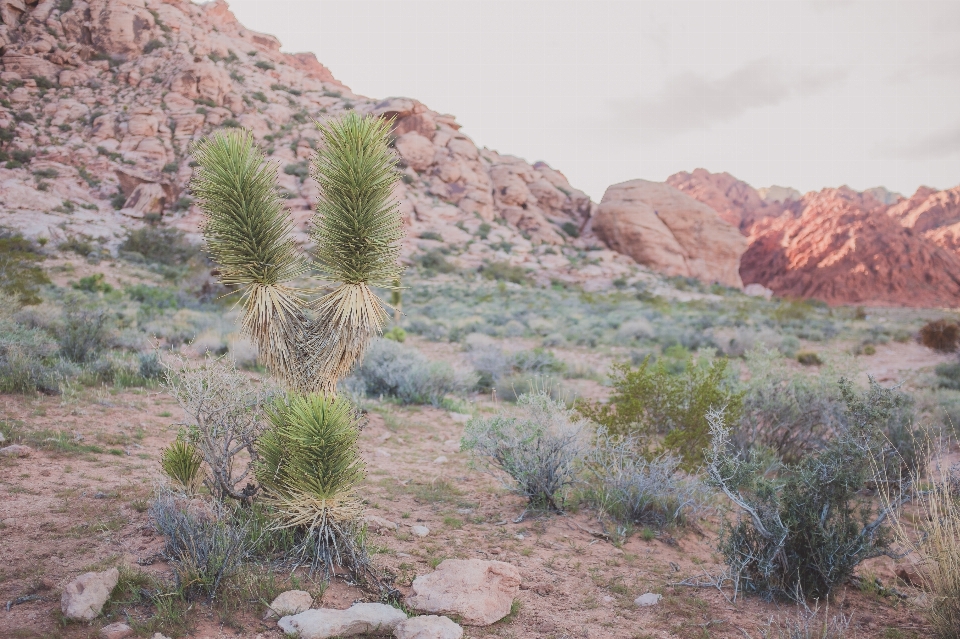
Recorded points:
(101, 100)
(840, 245)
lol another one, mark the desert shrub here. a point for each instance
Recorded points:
(935, 540)
(201, 540)
(225, 411)
(433, 331)
(24, 356)
(393, 370)
(20, 276)
(396, 334)
(153, 45)
(434, 261)
(808, 623)
(505, 272)
(809, 358)
(489, 362)
(651, 401)
(153, 299)
(83, 332)
(639, 491)
(948, 375)
(940, 335)
(512, 387)
(182, 463)
(540, 449)
(538, 361)
(802, 533)
(78, 245)
(788, 412)
(161, 245)
(93, 284)
(149, 366)
(309, 466)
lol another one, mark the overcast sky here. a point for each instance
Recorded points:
(797, 93)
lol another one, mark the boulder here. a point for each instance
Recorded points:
(288, 603)
(416, 150)
(147, 198)
(480, 592)
(358, 619)
(428, 627)
(379, 524)
(83, 598)
(670, 232)
(116, 631)
(648, 599)
(420, 531)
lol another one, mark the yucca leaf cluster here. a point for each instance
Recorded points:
(308, 337)
(182, 462)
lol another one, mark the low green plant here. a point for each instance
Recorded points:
(650, 401)
(162, 245)
(502, 271)
(93, 284)
(20, 274)
(809, 358)
(182, 463)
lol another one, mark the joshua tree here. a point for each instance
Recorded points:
(308, 337)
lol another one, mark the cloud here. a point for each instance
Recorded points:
(937, 145)
(691, 102)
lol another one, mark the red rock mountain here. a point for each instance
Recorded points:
(840, 245)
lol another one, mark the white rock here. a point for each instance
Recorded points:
(757, 290)
(291, 602)
(648, 599)
(420, 531)
(358, 619)
(83, 598)
(440, 460)
(480, 592)
(16, 450)
(428, 627)
(157, 635)
(379, 524)
(116, 631)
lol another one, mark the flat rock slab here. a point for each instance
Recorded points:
(480, 592)
(116, 631)
(358, 619)
(428, 627)
(83, 598)
(16, 450)
(288, 603)
(647, 599)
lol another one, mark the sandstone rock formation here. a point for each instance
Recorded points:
(83, 598)
(358, 619)
(933, 215)
(736, 201)
(105, 97)
(669, 231)
(479, 592)
(842, 248)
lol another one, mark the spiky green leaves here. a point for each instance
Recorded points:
(181, 462)
(309, 460)
(357, 227)
(247, 230)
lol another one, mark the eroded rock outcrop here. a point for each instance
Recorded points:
(669, 231)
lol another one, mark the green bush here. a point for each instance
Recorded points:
(540, 449)
(83, 333)
(24, 356)
(809, 358)
(393, 370)
(161, 245)
(802, 533)
(181, 462)
(20, 276)
(651, 402)
(503, 271)
(435, 261)
(93, 284)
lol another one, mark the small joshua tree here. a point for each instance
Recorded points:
(309, 338)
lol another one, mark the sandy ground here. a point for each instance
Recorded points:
(63, 513)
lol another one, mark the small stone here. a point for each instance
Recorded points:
(358, 619)
(648, 599)
(428, 627)
(379, 524)
(607, 599)
(83, 598)
(480, 592)
(2, 438)
(291, 602)
(440, 460)
(157, 635)
(16, 450)
(460, 418)
(116, 631)
(100, 495)
(420, 531)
